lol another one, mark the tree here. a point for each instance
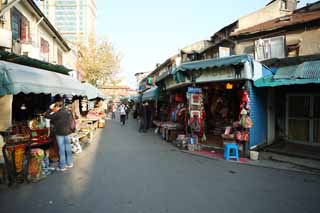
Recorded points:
(98, 62)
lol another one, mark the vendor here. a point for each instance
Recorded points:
(61, 120)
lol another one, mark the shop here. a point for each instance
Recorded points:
(25, 95)
(218, 105)
(150, 101)
(293, 101)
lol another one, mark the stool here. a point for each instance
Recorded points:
(231, 151)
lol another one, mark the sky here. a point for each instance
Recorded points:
(147, 32)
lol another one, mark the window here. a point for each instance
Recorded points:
(59, 56)
(20, 26)
(269, 48)
(44, 49)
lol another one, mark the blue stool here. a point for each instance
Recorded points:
(231, 151)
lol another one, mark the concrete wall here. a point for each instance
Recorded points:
(309, 42)
(245, 47)
(269, 12)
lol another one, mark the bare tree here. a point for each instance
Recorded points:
(98, 62)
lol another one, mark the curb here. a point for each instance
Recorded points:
(254, 165)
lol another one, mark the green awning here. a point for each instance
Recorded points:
(137, 98)
(16, 78)
(216, 62)
(305, 73)
(151, 94)
(269, 81)
(92, 92)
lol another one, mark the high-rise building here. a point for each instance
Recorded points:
(74, 19)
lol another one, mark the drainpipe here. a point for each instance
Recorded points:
(37, 33)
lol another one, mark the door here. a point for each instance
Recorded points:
(303, 118)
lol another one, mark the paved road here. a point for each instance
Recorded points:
(124, 171)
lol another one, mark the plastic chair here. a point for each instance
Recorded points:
(231, 151)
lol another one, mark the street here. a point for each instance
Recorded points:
(125, 171)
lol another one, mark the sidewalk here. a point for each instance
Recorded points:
(273, 161)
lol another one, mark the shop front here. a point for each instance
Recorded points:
(220, 105)
(25, 95)
(294, 119)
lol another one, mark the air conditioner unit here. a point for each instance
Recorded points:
(5, 38)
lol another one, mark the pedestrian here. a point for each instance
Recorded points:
(127, 111)
(143, 112)
(123, 114)
(61, 119)
(114, 109)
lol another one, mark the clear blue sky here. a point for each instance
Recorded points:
(147, 32)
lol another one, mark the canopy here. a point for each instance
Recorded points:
(136, 98)
(92, 92)
(305, 73)
(216, 62)
(16, 78)
(151, 94)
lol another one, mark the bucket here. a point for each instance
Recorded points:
(254, 155)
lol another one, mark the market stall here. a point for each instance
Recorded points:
(25, 94)
(218, 95)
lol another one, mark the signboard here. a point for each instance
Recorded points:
(221, 74)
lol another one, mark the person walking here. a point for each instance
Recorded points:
(114, 109)
(61, 119)
(123, 114)
(143, 117)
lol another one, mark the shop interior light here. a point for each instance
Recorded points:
(229, 86)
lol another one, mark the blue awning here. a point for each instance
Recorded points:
(305, 73)
(151, 94)
(16, 78)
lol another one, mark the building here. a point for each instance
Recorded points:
(290, 45)
(118, 92)
(25, 30)
(74, 19)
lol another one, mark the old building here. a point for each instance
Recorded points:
(290, 46)
(118, 92)
(26, 31)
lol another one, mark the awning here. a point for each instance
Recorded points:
(216, 62)
(92, 92)
(16, 78)
(151, 94)
(137, 98)
(269, 81)
(305, 73)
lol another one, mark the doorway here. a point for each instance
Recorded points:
(303, 118)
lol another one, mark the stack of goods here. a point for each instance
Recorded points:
(37, 165)
(75, 144)
(181, 142)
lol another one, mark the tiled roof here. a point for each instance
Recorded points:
(281, 22)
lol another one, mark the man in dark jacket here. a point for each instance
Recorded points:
(61, 120)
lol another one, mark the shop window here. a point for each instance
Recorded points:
(269, 48)
(20, 26)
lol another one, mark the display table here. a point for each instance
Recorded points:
(169, 130)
